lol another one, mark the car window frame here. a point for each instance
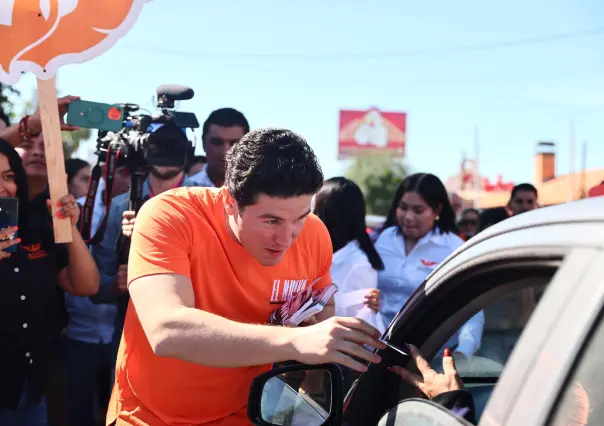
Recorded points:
(578, 361)
(415, 311)
(528, 388)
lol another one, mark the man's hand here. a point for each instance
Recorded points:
(121, 279)
(372, 299)
(432, 383)
(34, 124)
(338, 340)
(129, 217)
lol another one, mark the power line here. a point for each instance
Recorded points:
(369, 55)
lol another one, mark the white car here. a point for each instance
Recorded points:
(545, 269)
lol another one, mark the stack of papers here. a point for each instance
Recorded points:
(302, 306)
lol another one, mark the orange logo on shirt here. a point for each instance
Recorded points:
(40, 32)
(35, 251)
(427, 262)
(283, 291)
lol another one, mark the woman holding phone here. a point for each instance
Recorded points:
(28, 305)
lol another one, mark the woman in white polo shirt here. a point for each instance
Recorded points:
(419, 233)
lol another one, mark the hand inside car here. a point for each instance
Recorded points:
(431, 383)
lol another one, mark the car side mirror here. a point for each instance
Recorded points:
(298, 394)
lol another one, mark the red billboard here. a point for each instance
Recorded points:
(372, 131)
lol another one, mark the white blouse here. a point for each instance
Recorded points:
(351, 272)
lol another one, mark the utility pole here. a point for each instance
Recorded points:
(584, 171)
(571, 171)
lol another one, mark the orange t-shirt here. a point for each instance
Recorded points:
(183, 231)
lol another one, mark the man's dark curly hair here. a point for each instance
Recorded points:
(275, 162)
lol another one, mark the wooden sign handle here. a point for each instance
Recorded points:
(55, 161)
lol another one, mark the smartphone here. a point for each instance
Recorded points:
(9, 217)
(95, 115)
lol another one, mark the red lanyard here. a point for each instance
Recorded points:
(178, 185)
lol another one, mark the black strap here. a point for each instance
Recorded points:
(111, 159)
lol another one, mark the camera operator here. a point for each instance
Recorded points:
(87, 347)
(222, 129)
(167, 161)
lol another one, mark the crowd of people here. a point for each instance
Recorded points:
(175, 331)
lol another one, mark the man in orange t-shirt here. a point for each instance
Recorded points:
(207, 267)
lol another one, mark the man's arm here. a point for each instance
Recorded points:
(164, 304)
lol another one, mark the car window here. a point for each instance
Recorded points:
(582, 399)
(504, 320)
(505, 317)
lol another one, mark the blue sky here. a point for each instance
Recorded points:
(295, 63)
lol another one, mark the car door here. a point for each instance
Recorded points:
(452, 295)
(555, 376)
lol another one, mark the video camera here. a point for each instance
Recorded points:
(134, 141)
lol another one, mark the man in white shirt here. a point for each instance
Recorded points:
(222, 129)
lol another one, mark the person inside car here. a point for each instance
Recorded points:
(446, 389)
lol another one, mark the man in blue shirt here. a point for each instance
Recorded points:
(87, 344)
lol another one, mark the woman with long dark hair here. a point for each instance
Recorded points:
(78, 176)
(29, 310)
(341, 206)
(419, 233)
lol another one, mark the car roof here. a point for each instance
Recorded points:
(587, 210)
(590, 211)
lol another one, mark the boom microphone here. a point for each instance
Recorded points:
(168, 93)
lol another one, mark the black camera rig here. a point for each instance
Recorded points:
(138, 146)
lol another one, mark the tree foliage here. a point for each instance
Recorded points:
(378, 176)
(6, 103)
